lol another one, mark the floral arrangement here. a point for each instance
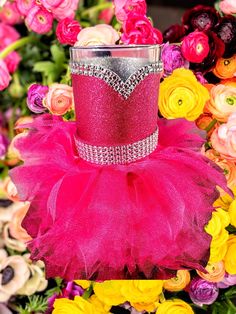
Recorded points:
(198, 84)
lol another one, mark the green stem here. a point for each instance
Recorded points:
(97, 8)
(211, 125)
(16, 45)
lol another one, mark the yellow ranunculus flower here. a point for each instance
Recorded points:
(230, 257)
(85, 284)
(182, 96)
(99, 305)
(109, 292)
(232, 213)
(216, 228)
(149, 307)
(142, 291)
(174, 306)
(77, 306)
(179, 282)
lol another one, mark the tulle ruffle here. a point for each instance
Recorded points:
(142, 220)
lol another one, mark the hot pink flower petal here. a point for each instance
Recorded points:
(12, 61)
(137, 29)
(39, 20)
(124, 7)
(61, 8)
(8, 35)
(67, 31)
(10, 14)
(24, 6)
(195, 47)
(4, 75)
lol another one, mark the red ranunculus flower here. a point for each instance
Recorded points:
(216, 51)
(201, 18)
(195, 47)
(67, 31)
(174, 33)
(137, 29)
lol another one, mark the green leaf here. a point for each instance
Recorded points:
(58, 55)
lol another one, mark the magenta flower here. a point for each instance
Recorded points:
(39, 20)
(173, 59)
(137, 29)
(8, 35)
(67, 31)
(36, 93)
(61, 9)
(4, 75)
(203, 292)
(195, 47)
(3, 145)
(10, 14)
(24, 6)
(228, 281)
(12, 61)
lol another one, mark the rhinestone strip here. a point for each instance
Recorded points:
(118, 155)
(112, 79)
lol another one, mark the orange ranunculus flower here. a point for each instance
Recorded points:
(16, 230)
(229, 82)
(223, 102)
(182, 96)
(225, 68)
(179, 282)
(215, 272)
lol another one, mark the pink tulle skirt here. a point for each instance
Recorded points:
(142, 220)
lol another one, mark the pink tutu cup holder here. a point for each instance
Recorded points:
(116, 95)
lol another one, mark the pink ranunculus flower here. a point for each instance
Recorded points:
(106, 15)
(124, 7)
(8, 35)
(24, 6)
(39, 19)
(101, 34)
(61, 9)
(10, 14)
(67, 31)
(4, 75)
(228, 6)
(12, 61)
(59, 99)
(137, 29)
(223, 139)
(195, 47)
(222, 102)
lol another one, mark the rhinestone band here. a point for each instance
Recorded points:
(112, 79)
(118, 155)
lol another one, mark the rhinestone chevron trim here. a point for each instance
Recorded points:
(118, 155)
(112, 79)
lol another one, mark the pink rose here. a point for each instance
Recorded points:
(12, 61)
(8, 35)
(39, 20)
(4, 75)
(124, 7)
(9, 14)
(195, 47)
(223, 139)
(61, 8)
(101, 34)
(67, 31)
(137, 29)
(59, 99)
(228, 6)
(24, 6)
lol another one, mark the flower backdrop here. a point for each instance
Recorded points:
(198, 84)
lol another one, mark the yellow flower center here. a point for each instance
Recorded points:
(41, 19)
(199, 48)
(231, 100)
(226, 62)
